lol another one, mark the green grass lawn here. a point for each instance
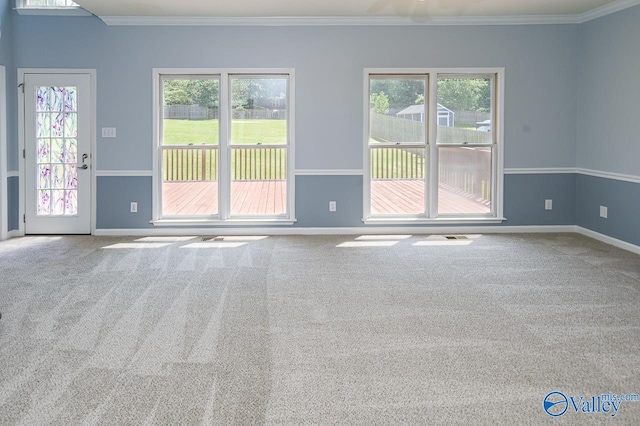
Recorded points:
(198, 132)
(390, 162)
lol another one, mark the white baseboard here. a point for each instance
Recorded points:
(609, 240)
(14, 234)
(152, 232)
(147, 232)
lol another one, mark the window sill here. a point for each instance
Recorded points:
(439, 221)
(217, 222)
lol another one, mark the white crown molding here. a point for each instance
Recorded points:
(329, 172)
(607, 9)
(279, 21)
(124, 173)
(291, 21)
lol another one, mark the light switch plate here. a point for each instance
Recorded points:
(108, 132)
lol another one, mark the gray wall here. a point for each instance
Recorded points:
(524, 201)
(557, 106)
(541, 63)
(623, 204)
(608, 132)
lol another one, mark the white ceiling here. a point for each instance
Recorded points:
(342, 8)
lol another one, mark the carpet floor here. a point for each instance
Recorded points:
(319, 330)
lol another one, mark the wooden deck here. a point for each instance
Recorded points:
(247, 197)
(407, 197)
(269, 197)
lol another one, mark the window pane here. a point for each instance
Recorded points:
(191, 112)
(259, 111)
(190, 180)
(397, 110)
(465, 110)
(50, 3)
(190, 156)
(258, 118)
(397, 181)
(464, 185)
(258, 181)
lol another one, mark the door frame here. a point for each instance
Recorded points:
(4, 154)
(21, 137)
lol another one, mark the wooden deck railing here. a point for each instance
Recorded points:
(463, 169)
(466, 170)
(189, 163)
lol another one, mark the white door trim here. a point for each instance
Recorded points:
(21, 136)
(4, 220)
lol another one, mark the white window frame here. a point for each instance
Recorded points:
(224, 146)
(431, 215)
(24, 9)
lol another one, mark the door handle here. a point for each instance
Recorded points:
(84, 166)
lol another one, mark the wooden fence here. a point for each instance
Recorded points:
(190, 112)
(197, 112)
(471, 118)
(394, 129)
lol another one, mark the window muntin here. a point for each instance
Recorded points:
(459, 173)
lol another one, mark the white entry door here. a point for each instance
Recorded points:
(57, 153)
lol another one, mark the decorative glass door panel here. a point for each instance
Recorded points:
(57, 132)
(57, 143)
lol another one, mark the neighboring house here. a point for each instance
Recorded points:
(446, 117)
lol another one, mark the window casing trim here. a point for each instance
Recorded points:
(431, 156)
(223, 217)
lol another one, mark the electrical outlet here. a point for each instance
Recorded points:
(332, 206)
(548, 204)
(134, 207)
(603, 212)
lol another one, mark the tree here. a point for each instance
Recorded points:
(250, 92)
(191, 92)
(465, 94)
(175, 92)
(380, 103)
(401, 92)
